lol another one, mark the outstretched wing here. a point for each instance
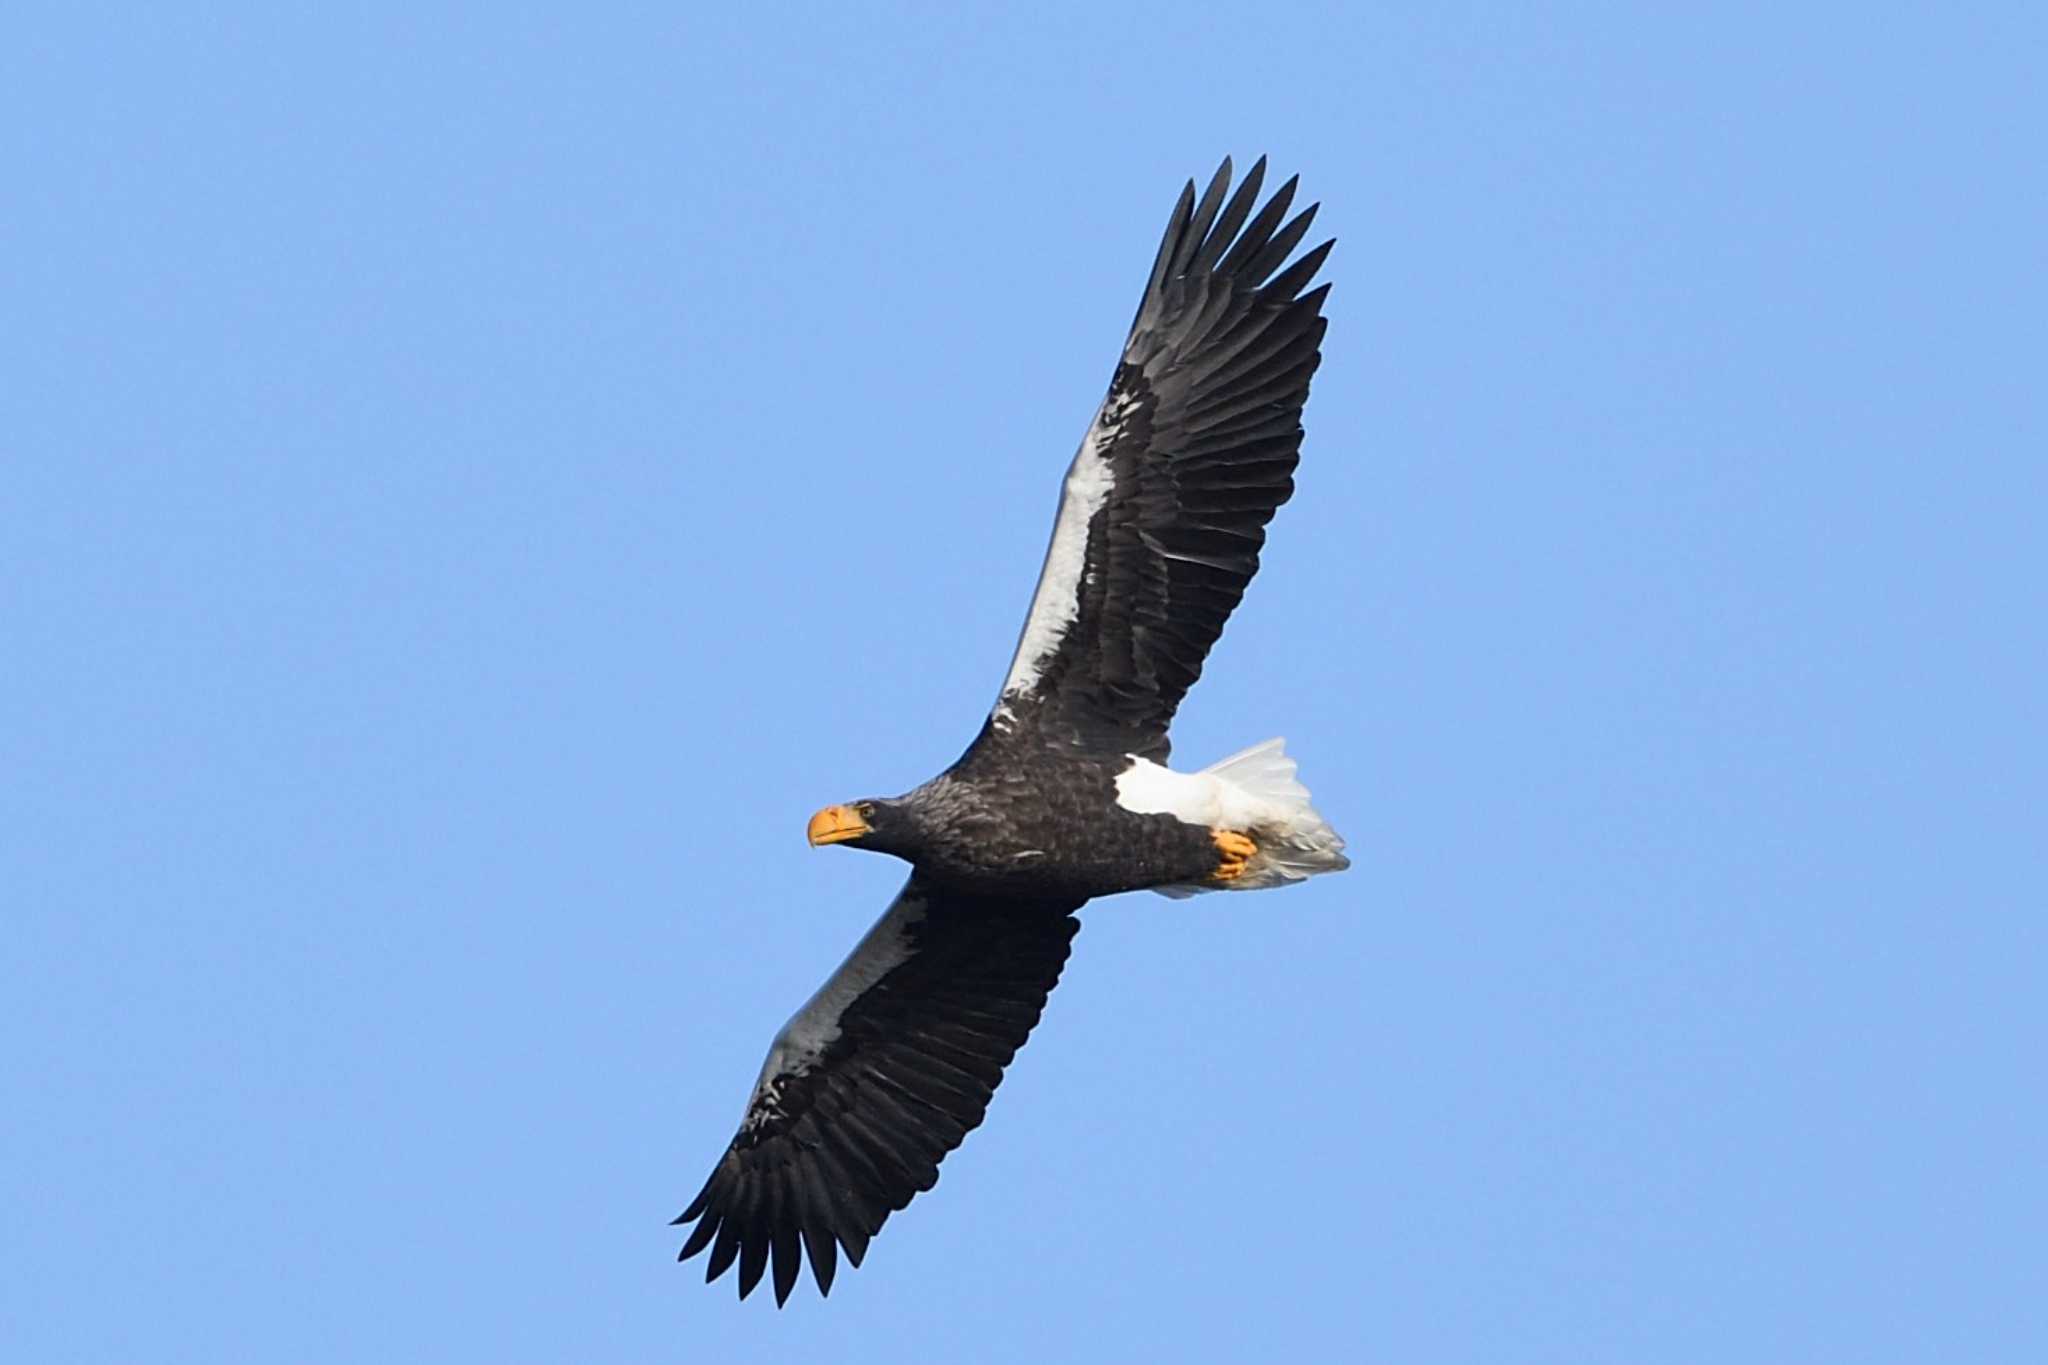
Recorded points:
(1165, 506)
(874, 1080)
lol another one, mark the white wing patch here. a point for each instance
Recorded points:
(1058, 599)
(812, 1029)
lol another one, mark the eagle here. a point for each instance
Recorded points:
(1064, 795)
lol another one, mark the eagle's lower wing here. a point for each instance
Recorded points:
(1165, 506)
(874, 1080)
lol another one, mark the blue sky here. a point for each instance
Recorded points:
(477, 480)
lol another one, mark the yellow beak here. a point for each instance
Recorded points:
(835, 825)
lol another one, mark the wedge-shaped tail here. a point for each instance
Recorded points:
(1254, 792)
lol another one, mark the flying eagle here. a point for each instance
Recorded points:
(1064, 795)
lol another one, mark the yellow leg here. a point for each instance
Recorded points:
(1236, 854)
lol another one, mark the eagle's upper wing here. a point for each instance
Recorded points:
(874, 1080)
(1165, 506)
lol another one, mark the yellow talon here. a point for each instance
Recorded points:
(1237, 854)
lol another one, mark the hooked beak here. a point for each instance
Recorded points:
(836, 825)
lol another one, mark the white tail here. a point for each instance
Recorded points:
(1255, 790)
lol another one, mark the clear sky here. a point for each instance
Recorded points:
(475, 481)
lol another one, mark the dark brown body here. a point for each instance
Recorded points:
(1047, 824)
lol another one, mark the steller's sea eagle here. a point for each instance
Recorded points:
(1064, 795)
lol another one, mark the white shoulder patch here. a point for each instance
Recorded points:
(885, 946)
(1057, 600)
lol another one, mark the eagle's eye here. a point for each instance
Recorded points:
(866, 809)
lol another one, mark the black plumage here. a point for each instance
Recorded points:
(1210, 390)
(851, 1138)
(1060, 797)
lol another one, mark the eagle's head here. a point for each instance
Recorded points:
(873, 823)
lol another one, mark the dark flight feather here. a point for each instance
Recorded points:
(1197, 442)
(855, 1131)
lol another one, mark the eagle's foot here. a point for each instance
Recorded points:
(1236, 851)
